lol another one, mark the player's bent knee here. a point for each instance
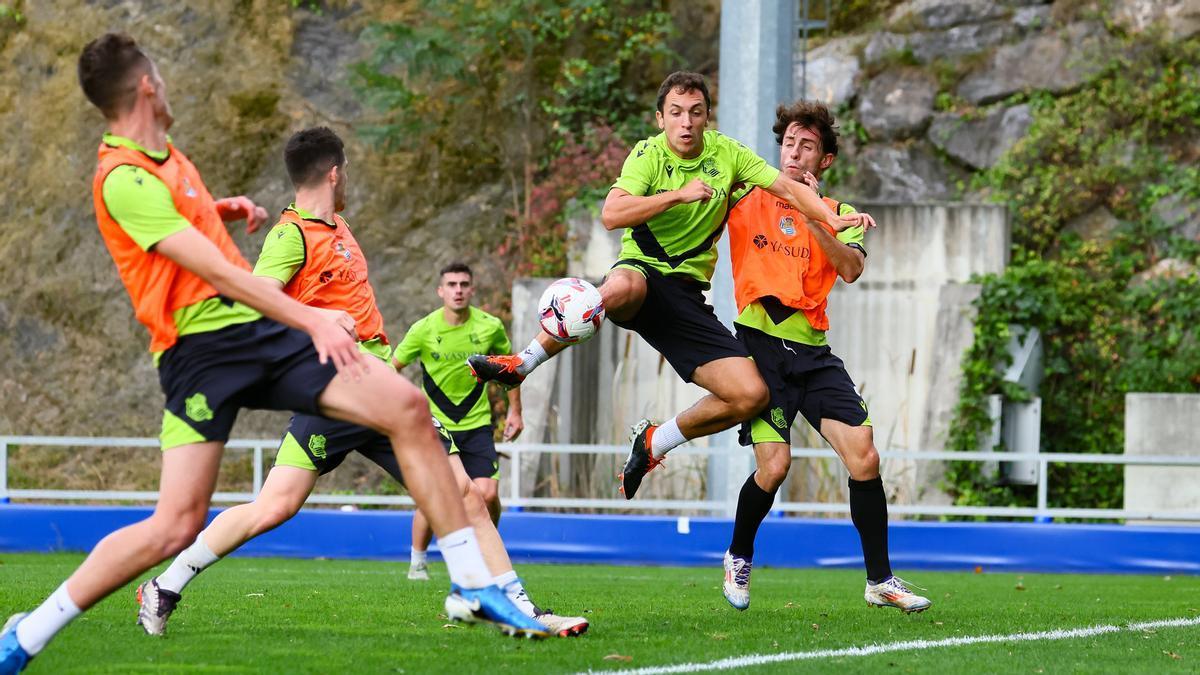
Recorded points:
(277, 513)
(750, 399)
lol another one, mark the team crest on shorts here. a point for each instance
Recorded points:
(777, 417)
(196, 407)
(787, 225)
(316, 445)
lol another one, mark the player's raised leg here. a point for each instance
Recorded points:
(622, 293)
(868, 510)
(737, 393)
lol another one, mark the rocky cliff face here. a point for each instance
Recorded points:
(242, 76)
(936, 91)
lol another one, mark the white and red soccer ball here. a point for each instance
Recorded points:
(571, 310)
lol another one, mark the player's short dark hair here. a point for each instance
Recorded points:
(810, 115)
(311, 153)
(683, 81)
(108, 69)
(456, 267)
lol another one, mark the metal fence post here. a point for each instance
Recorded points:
(3, 473)
(258, 471)
(1043, 488)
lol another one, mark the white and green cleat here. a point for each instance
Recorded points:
(737, 581)
(894, 592)
(418, 572)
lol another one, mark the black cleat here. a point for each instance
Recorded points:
(641, 461)
(501, 369)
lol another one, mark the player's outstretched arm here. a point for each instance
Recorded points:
(242, 208)
(622, 209)
(806, 200)
(847, 260)
(195, 253)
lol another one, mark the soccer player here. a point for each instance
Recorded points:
(671, 199)
(312, 254)
(784, 265)
(222, 340)
(440, 341)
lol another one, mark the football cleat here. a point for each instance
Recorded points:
(491, 605)
(893, 592)
(13, 657)
(154, 607)
(497, 368)
(640, 462)
(562, 626)
(418, 572)
(737, 581)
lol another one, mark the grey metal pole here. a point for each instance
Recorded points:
(757, 39)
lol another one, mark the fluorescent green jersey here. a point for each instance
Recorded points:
(682, 239)
(141, 204)
(793, 324)
(454, 396)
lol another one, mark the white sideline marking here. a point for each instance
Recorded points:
(870, 650)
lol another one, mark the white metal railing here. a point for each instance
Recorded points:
(517, 450)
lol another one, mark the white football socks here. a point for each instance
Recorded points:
(465, 563)
(666, 437)
(511, 584)
(43, 623)
(417, 558)
(187, 565)
(532, 357)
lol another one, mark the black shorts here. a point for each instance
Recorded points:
(801, 378)
(320, 444)
(679, 324)
(208, 377)
(477, 450)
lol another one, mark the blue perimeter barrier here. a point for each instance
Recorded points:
(657, 540)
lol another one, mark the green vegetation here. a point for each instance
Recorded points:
(360, 616)
(538, 95)
(1112, 321)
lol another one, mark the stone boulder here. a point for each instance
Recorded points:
(1056, 62)
(899, 173)
(1181, 18)
(1099, 224)
(963, 40)
(831, 71)
(1167, 268)
(897, 103)
(1180, 214)
(925, 14)
(979, 142)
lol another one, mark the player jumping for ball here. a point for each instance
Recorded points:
(784, 266)
(671, 199)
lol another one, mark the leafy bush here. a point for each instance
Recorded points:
(1108, 326)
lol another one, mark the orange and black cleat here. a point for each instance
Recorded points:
(640, 462)
(501, 369)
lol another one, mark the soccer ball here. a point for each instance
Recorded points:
(571, 310)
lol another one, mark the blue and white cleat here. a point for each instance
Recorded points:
(13, 657)
(491, 605)
(894, 592)
(737, 581)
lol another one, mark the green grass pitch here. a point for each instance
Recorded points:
(336, 616)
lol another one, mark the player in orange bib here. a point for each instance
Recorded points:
(784, 266)
(222, 340)
(312, 254)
